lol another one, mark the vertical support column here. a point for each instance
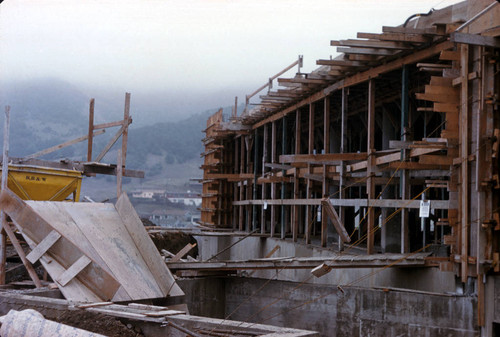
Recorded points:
(119, 173)
(241, 182)
(283, 186)
(296, 182)
(236, 170)
(326, 149)
(126, 116)
(370, 184)
(5, 178)
(249, 167)
(263, 194)
(273, 184)
(464, 156)
(343, 148)
(309, 210)
(403, 181)
(255, 170)
(91, 129)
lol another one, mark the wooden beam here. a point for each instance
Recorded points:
(381, 203)
(416, 38)
(91, 130)
(361, 77)
(371, 44)
(327, 157)
(370, 184)
(475, 39)
(334, 218)
(464, 154)
(126, 122)
(187, 248)
(63, 145)
(366, 51)
(110, 144)
(5, 178)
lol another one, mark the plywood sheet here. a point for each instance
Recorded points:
(122, 261)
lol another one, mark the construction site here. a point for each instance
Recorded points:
(360, 199)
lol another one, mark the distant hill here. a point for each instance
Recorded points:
(48, 112)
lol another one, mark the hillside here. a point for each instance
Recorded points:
(48, 112)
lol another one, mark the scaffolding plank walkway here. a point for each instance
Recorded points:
(339, 261)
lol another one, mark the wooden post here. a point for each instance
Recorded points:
(242, 185)
(263, 193)
(296, 182)
(5, 177)
(343, 149)
(326, 125)
(119, 174)
(5, 229)
(464, 155)
(273, 185)
(91, 130)
(283, 186)
(309, 210)
(326, 149)
(236, 195)
(370, 184)
(404, 183)
(126, 116)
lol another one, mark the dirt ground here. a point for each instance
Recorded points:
(98, 323)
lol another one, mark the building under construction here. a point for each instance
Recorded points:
(385, 156)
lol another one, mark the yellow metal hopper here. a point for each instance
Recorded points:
(44, 183)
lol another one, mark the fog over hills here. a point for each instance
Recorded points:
(163, 141)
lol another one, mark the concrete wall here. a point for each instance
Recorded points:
(351, 312)
(424, 279)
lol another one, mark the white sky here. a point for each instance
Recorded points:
(182, 46)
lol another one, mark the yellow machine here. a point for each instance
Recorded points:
(44, 183)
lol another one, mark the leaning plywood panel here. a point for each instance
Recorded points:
(104, 229)
(65, 253)
(146, 247)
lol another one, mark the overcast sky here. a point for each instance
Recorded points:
(189, 47)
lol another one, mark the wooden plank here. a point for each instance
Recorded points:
(475, 39)
(104, 228)
(110, 124)
(164, 313)
(409, 30)
(74, 270)
(437, 97)
(43, 246)
(449, 55)
(306, 158)
(441, 90)
(146, 247)
(29, 268)
(446, 107)
(110, 144)
(366, 51)
(74, 290)
(63, 145)
(435, 159)
(187, 248)
(65, 252)
(441, 81)
(395, 37)
(371, 44)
